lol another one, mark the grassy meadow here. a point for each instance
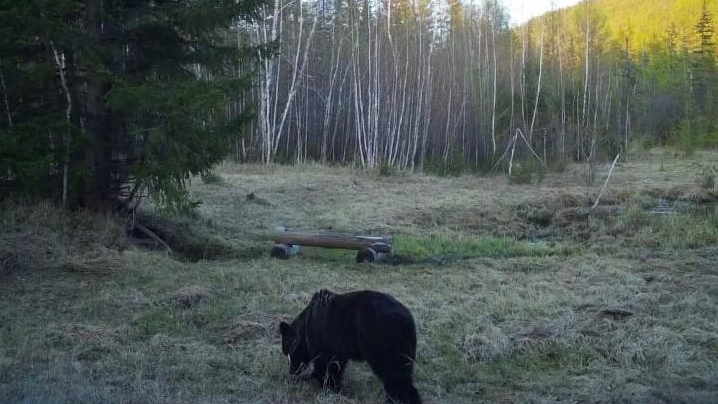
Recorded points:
(520, 295)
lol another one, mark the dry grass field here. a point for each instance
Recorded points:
(520, 295)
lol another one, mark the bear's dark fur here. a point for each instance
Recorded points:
(363, 326)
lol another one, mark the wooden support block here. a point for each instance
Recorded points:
(367, 255)
(371, 255)
(284, 251)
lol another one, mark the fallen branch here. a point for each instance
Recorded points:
(531, 148)
(603, 188)
(149, 233)
(513, 149)
(508, 147)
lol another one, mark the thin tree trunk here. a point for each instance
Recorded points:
(329, 102)
(298, 74)
(493, 102)
(523, 78)
(448, 136)
(402, 112)
(538, 86)
(584, 110)
(627, 129)
(358, 102)
(562, 88)
(6, 101)
(376, 98)
(513, 87)
(266, 111)
(61, 67)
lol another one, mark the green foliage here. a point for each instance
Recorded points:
(553, 357)
(148, 108)
(642, 22)
(442, 247)
(557, 165)
(386, 169)
(660, 58)
(455, 166)
(686, 226)
(527, 171)
(693, 135)
(160, 319)
(687, 139)
(709, 178)
(212, 178)
(338, 256)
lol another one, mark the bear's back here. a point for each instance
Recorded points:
(368, 324)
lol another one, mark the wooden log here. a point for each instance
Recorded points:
(335, 240)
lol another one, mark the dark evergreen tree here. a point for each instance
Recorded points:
(103, 98)
(704, 80)
(32, 121)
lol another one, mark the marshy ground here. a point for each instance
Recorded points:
(519, 294)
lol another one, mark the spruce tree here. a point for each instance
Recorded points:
(104, 98)
(699, 126)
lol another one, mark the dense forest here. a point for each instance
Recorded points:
(449, 86)
(102, 99)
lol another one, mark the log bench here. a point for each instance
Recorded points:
(369, 248)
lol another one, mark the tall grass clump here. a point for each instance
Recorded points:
(638, 225)
(40, 236)
(686, 231)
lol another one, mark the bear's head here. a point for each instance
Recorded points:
(294, 349)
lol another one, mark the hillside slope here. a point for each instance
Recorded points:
(643, 22)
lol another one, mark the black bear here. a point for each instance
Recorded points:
(363, 326)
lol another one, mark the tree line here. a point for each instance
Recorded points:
(103, 101)
(448, 85)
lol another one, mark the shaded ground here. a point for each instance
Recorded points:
(543, 303)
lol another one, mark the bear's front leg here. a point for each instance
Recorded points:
(320, 369)
(335, 373)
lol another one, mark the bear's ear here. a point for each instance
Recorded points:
(286, 330)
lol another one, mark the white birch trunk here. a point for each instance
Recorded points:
(297, 75)
(493, 101)
(584, 109)
(61, 67)
(538, 86)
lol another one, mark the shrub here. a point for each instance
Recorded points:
(212, 178)
(386, 169)
(527, 171)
